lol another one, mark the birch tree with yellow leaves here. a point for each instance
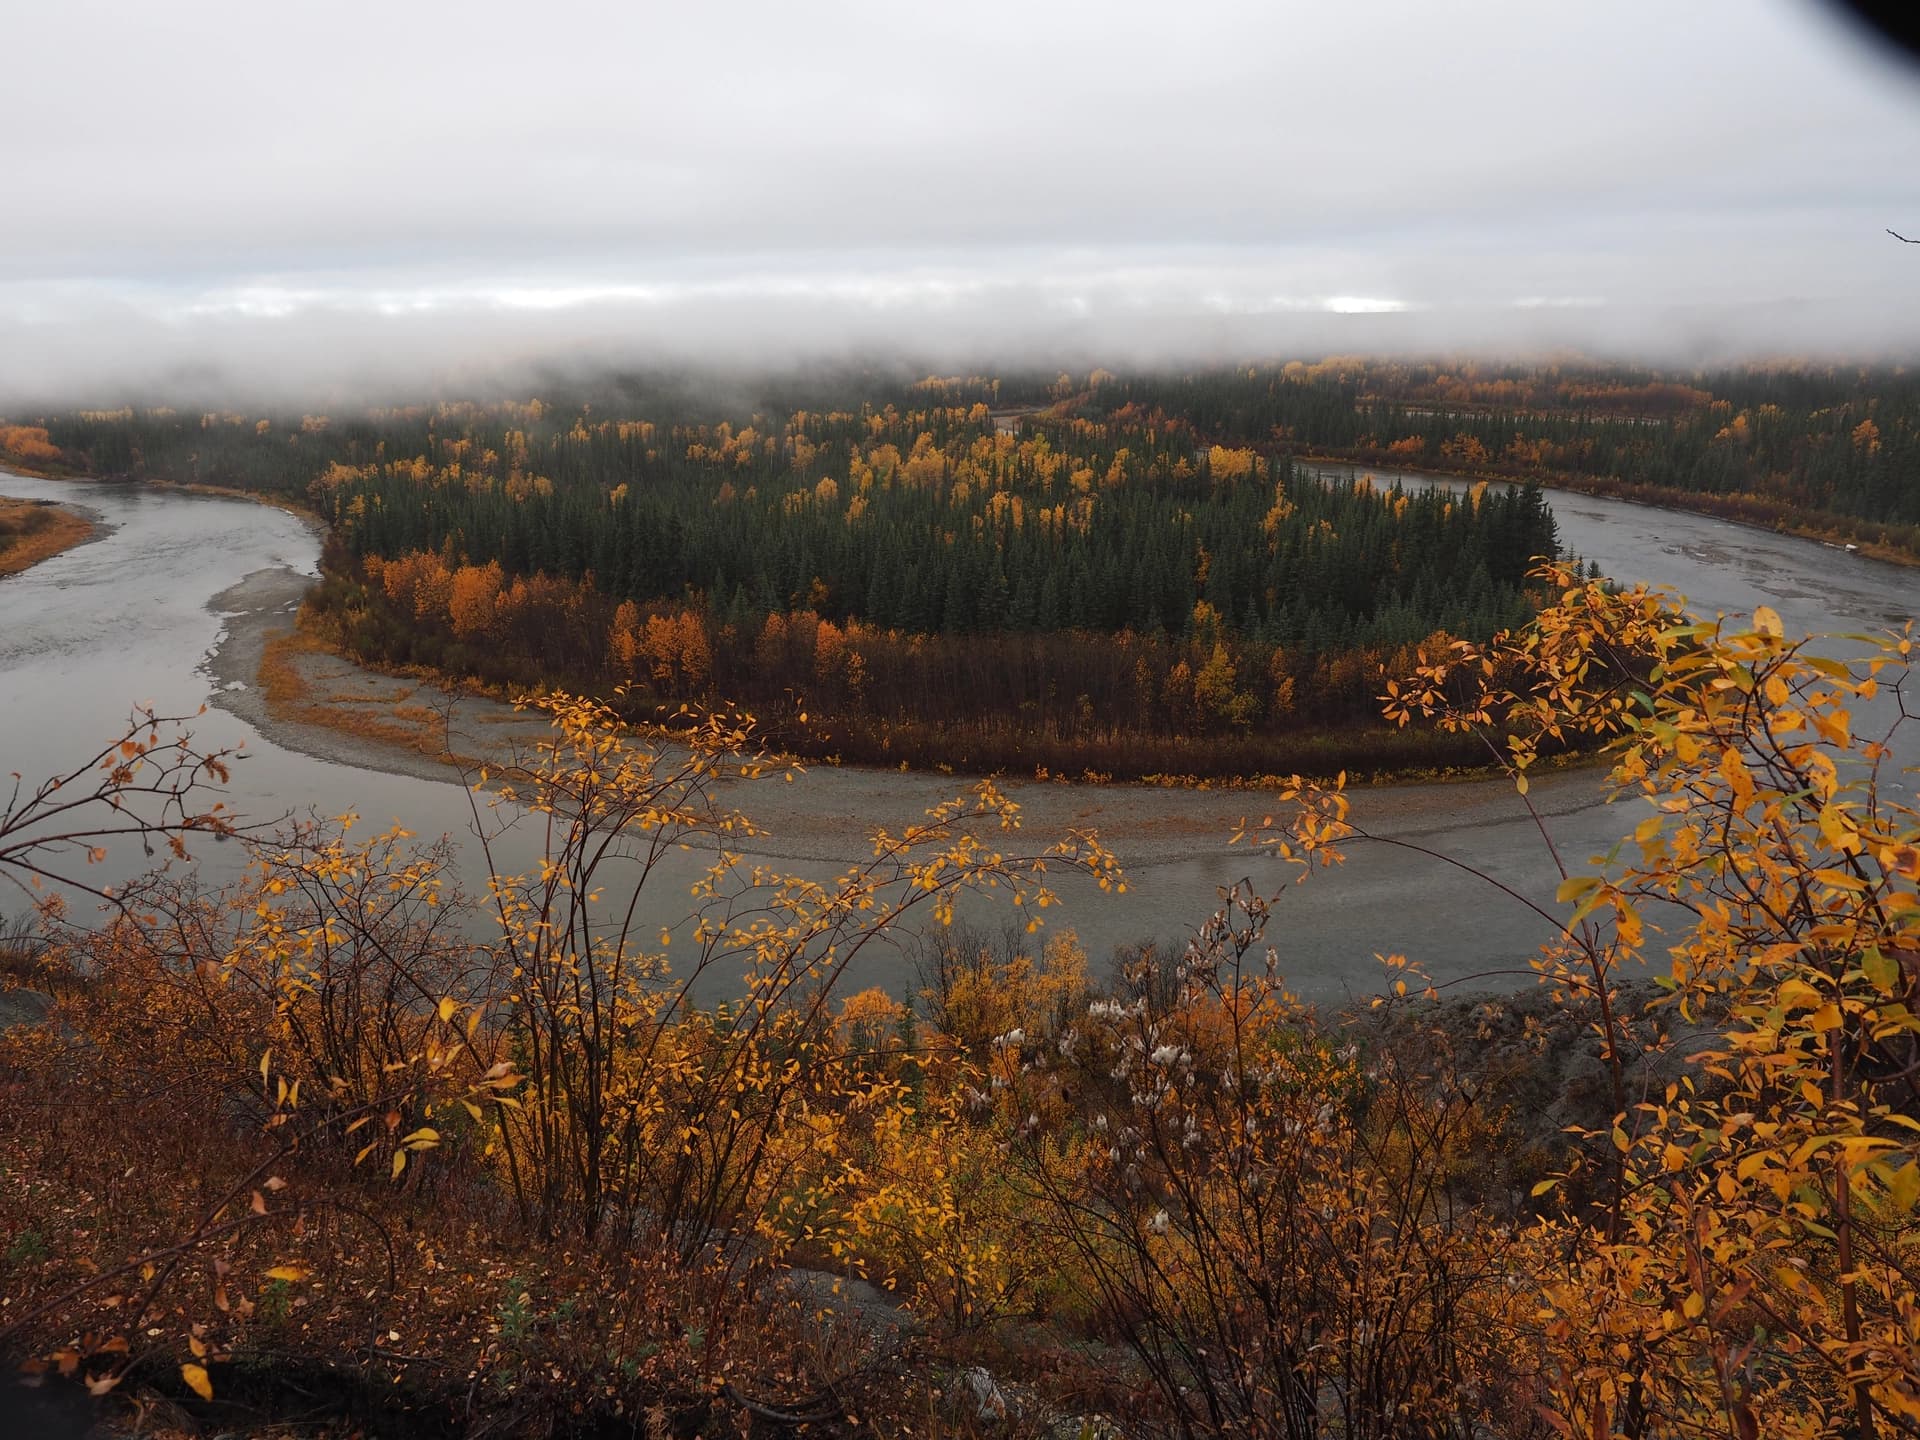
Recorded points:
(1746, 1263)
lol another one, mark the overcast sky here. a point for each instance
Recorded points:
(372, 194)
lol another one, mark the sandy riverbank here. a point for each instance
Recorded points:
(301, 697)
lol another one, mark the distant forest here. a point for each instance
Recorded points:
(1097, 572)
(1832, 450)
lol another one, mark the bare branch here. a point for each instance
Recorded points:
(151, 783)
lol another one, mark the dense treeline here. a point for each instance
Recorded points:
(1082, 595)
(873, 553)
(985, 533)
(1824, 448)
(1825, 443)
(1099, 571)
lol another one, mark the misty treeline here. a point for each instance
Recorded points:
(1825, 447)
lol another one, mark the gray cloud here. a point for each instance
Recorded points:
(354, 196)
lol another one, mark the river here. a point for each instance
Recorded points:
(150, 610)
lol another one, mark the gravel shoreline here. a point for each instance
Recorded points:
(828, 812)
(266, 604)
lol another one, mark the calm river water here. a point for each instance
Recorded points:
(131, 616)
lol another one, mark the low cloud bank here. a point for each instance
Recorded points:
(273, 345)
(226, 201)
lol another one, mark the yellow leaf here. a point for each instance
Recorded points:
(1767, 621)
(1882, 970)
(1839, 831)
(1903, 1188)
(399, 1163)
(447, 1008)
(1574, 887)
(197, 1381)
(292, 1274)
(1797, 995)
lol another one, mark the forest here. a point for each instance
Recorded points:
(1828, 448)
(1063, 607)
(338, 1149)
(1832, 451)
(1105, 596)
(1099, 574)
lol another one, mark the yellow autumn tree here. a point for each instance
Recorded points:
(472, 597)
(1747, 1263)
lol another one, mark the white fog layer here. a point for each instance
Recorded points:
(351, 197)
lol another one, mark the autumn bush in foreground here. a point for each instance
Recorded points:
(328, 1119)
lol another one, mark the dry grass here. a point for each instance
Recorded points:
(291, 694)
(30, 532)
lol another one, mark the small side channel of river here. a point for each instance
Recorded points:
(141, 612)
